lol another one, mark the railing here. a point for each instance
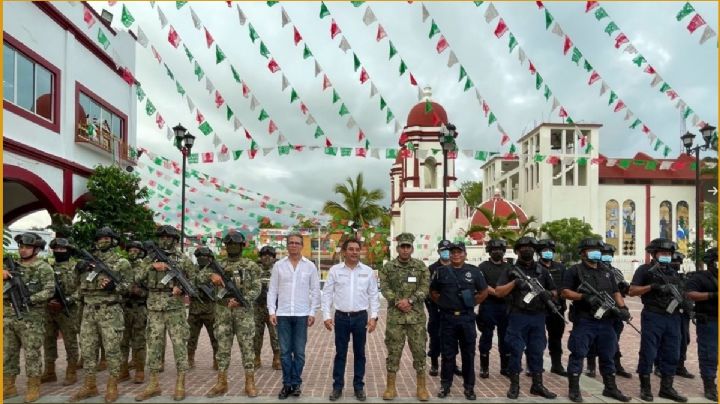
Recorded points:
(104, 140)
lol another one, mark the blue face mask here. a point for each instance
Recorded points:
(547, 255)
(664, 259)
(445, 255)
(607, 258)
(594, 255)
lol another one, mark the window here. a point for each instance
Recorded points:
(683, 229)
(29, 85)
(612, 222)
(628, 212)
(99, 123)
(105, 122)
(666, 220)
(430, 174)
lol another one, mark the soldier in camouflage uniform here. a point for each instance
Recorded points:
(166, 313)
(202, 312)
(405, 282)
(26, 333)
(231, 318)
(102, 313)
(57, 321)
(262, 317)
(135, 301)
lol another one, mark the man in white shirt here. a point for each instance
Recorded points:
(292, 300)
(351, 288)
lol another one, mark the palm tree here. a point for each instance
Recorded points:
(358, 204)
(498, 225)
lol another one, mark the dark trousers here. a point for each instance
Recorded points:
(618, 326)
(555, 329)
(660, 336)
(526, 332)
(433, 329)
(458, 331)
(492, 315)
(684, 338)
(345, 327)
(586, 334)
(292, 334)
(707, 342)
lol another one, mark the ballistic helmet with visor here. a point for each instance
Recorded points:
(234, 237)
(31, 239)
(525, 241)
(496, 244)
(61, 243)
(203, 252)
(168, 231)
(268, 250)
(661, 244)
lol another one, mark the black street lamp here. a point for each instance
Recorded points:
(687, 140)
(184, 142)
(446, 137)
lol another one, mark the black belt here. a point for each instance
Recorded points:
(350, 313)
(100, 305)
(457, 312)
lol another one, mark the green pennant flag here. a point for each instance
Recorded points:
(513, 149)
(345, 151)
(624, 164)
(390, 153)
(180, 4)
(319, 132)
(103, 39)
(547, 92)
(613, 97)
(272, 3)
(686, 10)
(198, 71)
(253, 145)
(382, 103)
(539, 158)
(193, 158)
(639, 163)
(600, 13)
(403, 67)
(480, 155)
(264, 51)
(367, 144)
(324, 12)
(357, 3)
(538, 81)
(611, 27)
(306, 52)
(635, 123)
(664, 87)
(658, 143)
(576, 56)
(468, 84)
(187, 53)
(687, 112)
(491, 118)
(393, 51)
(428, 106)
(335, 96)
(389, 117)
(90, 130)
(666, 152)
(253, 34)
(293, 96)
(343, 110)
(331, 151)
(569, 120)
(435, 151)
(205, 128)
(149, 107)
(263, 115)
(228, 112)
(582, 161)
(639, 60)
(127, 19)
(219, 55)
(512, 43)
(237, 154)
(587, 66)
(651, 165)
(478, 3)
(463, 73)
(548, 19)
(433, 29)
(179, 88)
(235, 74)
(356, 62)
(169, 72)
(140, 93)
(158, 161)
(282, 150)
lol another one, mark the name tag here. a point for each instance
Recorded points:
(363, 275)
(412, 279)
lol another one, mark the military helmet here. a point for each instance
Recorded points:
(106, 231)
(545, 243)
(590, 243)
(61, 243)
(234, 237)
(496, 244)
(661, 244)
(525, 241)
(168, 231)
(204, 252)
(444, 245)
(710, 256)
(135, 244)
(268, 250)
(608, 249)
(31, 239)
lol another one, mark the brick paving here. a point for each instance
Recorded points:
(318, 379)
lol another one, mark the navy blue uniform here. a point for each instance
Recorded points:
(526, 321)
(554, 324)
(433, 326)
(587, 330)
(618, 324)
(493, 311)
(706, 314)
(457, 320)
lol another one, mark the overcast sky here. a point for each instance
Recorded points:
(307, 178)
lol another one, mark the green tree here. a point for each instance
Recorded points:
(472, 191)
(710, 219)
(498, 225)
(357, 203)
(567, 234)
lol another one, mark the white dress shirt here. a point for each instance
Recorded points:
(351, 290)
(293, 291)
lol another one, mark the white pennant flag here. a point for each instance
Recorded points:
(169, 133)
(500, 129)
(196, 19)
(603, 88)
(468, 153)
(163, 19)
(313, 148)
(397, 126)
(452, 59)
(344, 44)
(152, 4)
(420, 94)
(630, 49)
(241, 15)
(116, 58)
(707, 34)
(491, 13)
(350, 123)
(521, 56)
(285, 17)
(224, 154)
(310, 120)
(477, 95)
(209, 85)
(611, 162)
(191, 105)
(236, 123)
(267, 150)
(318, 69)
(373, 89)
(652, 137)
(425, 13)
(369, 17)
(375, 153)
(656, 80)
(216, 140)
(285, 82)
(680, 105)
(142, 38)
(695, 119)
(555, 104)
(628, 115)
(665, 165)
(557, 30)
(253, 103)
(281, 139)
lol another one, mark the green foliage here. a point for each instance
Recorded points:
(710, 219)
(7, 240)
(358, 204)
(472, 192)
(567, 234)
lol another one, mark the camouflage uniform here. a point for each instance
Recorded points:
(202, 313)
(262, 317)
(135, 312)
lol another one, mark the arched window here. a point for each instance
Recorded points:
(666, 220)
(430, 174)
(683, 229)
(612, 223)
(628, 220)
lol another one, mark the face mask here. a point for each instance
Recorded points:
(234, 249)
(664, 259)
(594, 255)
(203, 261)
(103, 245)
(444, 255)
(497, 255)
(133, 256)
(607, 258)
(527, 254)
(547, 255)
(61, 256)
(166, 244)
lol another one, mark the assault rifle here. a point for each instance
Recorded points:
(678, 298)
(16, 289)
(98, 267)
(607, 304)
(174, 272)
(230, 286)
(536, 290)
(60, 296)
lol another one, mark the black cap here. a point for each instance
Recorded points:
(444, 245)
(458, 246)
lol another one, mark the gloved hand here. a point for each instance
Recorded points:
(547, 296)
(660, 287)
(591, 299)
(522, 284)
(624, 313)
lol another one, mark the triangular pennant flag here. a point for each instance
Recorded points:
(236, 122)
(264, 51)
(600, 13)
(567, 45)
(285, 82)
(253, 34)
(306, 52)
(620, 40)
(425, 13)
(369, 17)
(611, 27)
(620, 105)
(271, 127)
(209, 86)
(228, 113)
(196, 20)
(590, 5)
(685, 11)
(373, 89)
(593, 77)
(343, 110)
(198, 71)
(219, 55)
(318, 69)
(334, 29)
(162, 18)
(126, 18)
(335, 96)
(491, 13)
(630, 49)
(190, 104)
(501, 28)
(88, 17)
(696, 22)
(380, 33)
(241, 16)
(557, 30)
(452, 59)
(142, 38)
(103, 39)
(548, 19)
(263, 115)
(364, 76)
(219, 101)
(434, 29)
(310, 120)
(576, 56)
(199, 117)
(442, 44)
(707, 34)
(603, 88)
(350, 123)
(344, 44)
(273, 66)
(324, 12)
(173, 37)
(285, 17)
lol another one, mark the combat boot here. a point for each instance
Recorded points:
(611, 390)
(683, 372)
(179, 387)
(619, 369)
(709, 388)
(70, 374)
(537, 388)
(645, 388)
(9, 389)
(220, 387)
(514, 389)
(89, 389)
(667, 390)
(258, 362)
(250, 389)
(390, 389)
(504, 359)
(557, 366)
(215, 366)
(574, 388)
(276, 360)
(433, 367)
(124, 372)
(151, 390)
(49, 373)
(191, 359)
(422, 392)
(111, 393)
(484, 365)
(33, 389)
(139, 371)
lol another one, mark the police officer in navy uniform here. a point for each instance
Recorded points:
(554, 324)
(660, 319)
(702, 288)
(681, 371)
(433, 326)
(526, 321)
(588, 329)
(456, 289)
(493, 311)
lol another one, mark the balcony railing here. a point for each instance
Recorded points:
(101, 138)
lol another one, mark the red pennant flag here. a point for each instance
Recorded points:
(88, 17)
(328, 143)
(562, 113)
(247, 135)
(334, 29)
(364, 76)
(593, 77)
(152, 183)
(296, 35)
(173, 37)
(405, 153)
(442, 44)
(199, 117)
(590, 5)
(156, 54)
(553, 160)
(207, 157)
(246, 90)
(361, 135)
(271, 127)
(539, 4)
(380, 33)
(223, 149)
(672, 94)
(436, 119)
(159, 121)
(620, 40)
(696, 22)
(567, 45)
(128, 76)
(501, 28)
(583, 141)
(505, 138)
(218, 99)
(303, 108)
(645, 129)
(273, 66)
(620, 105)
(326, 82)
(229, 3)
(252, 153)
(485, 108)
(208, 38)
(649, 69)
(360, 152)
(532, 68)
(412, 80)
(298, 147)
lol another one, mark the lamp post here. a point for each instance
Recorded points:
(184, 142)
(446, 137)
(687, 140)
